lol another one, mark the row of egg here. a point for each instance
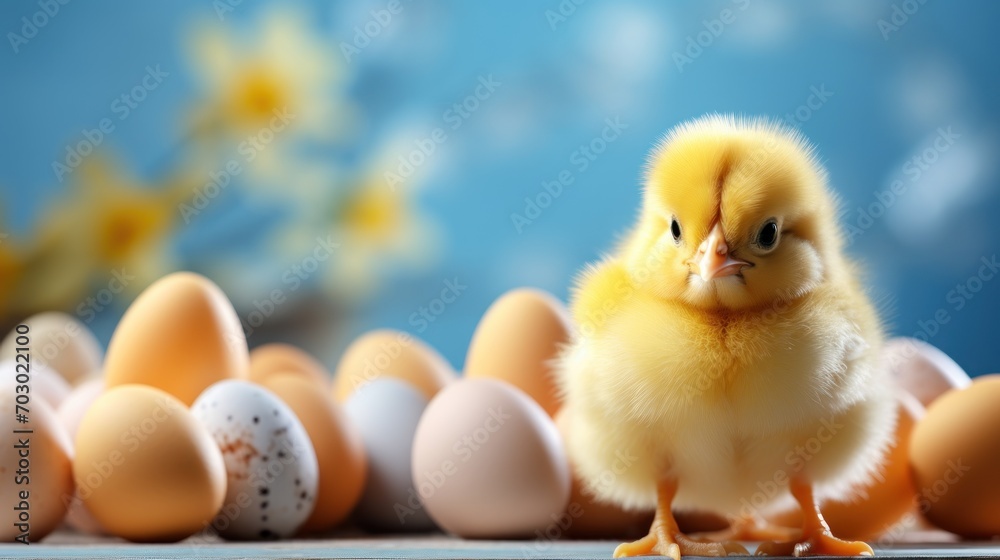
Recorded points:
(186, 430)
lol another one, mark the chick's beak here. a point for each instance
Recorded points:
(713, 261)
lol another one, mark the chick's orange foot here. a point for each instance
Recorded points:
(821, 544)
(661, 543)
(817, 540)
(666, 539)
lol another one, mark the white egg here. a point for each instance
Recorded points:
(386, 412)
(77, 403)
(270, 462)
(70, 413)
(59, 341)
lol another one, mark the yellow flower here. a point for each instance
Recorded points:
(378, 227)
(281, 67)
(110, 222)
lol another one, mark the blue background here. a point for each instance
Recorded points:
(606, 60)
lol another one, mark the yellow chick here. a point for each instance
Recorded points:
(726, 358)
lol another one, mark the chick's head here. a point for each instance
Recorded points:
(736, 216)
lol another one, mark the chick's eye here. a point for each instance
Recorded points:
(675, 229)
(768, 235)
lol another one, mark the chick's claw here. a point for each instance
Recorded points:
(660, 542)
(677, 547)
(822, 544)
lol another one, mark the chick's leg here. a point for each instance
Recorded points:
(666, 539)
(817, 540)
(751, 528)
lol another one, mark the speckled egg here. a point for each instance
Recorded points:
(271, 466)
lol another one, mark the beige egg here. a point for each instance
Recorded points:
(394, 354)
(61, 342)
(285, 358)
(923, 370)
(517, 340)
(955, 457)
(145, 468)
(34, 490)
(340, 450)
(591, 519)
(488, 462)
(180, 335)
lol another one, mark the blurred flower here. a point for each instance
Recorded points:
(112, 221)
(280, 67)
(11, 269)
(377, 226)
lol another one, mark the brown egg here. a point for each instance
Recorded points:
(340, 450)
(516, 340)
(395, 354)
(955, 457)
(180, 335)
(923, 370)
(61, 342)
(489, 463)
(36, 489)
(878, 506)
(145, 468)
(285, 358)
(598, 520)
